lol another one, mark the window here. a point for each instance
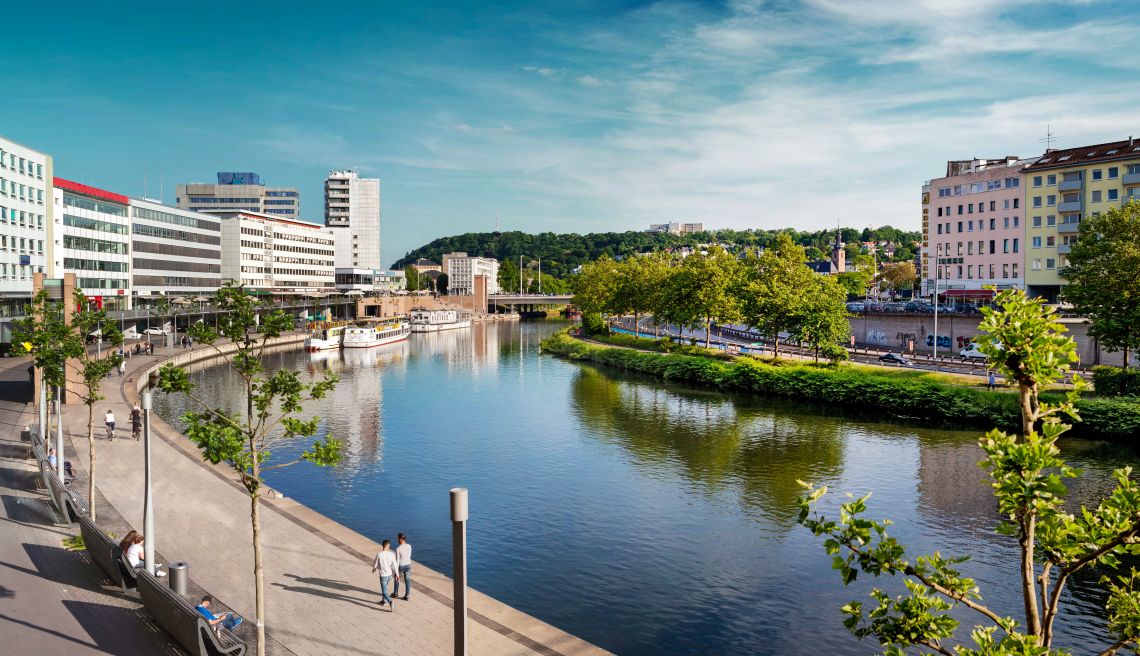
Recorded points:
(1005, 271)
(1096, 195)
(981, 207)
(976, 188)
(970, 271)
(1015, 269)
(1036, 201)
(959, 270)
(1113, 172)
(993, 223)
(1097, 174)
(971, 208)
(939, 228)
(1050, 263)
(1006, 223)
(1015, 241)
(1016, 203)
(1113, 194)
(959, 248)
(939, 211)
(943, 192)
(969, 248)
(959, 209)
(1133, 169)
(959, 224)
(1051, 220)
(993, 205)
(1050, 241)
(1052, 180)
(1051, 200)
(1036, 265)
(1036, 242)
(981, 246)
(991, 272)
(1010, 183)
(993, 246)
(1016, 221)
(1036, 181)
(970, 226)
(1005, 245)
(1006, 204)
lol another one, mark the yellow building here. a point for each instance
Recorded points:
(1063, 187)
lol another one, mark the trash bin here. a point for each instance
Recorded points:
(179, 574)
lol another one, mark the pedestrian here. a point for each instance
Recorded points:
(136, 421)
(109, 420)
(991, 378)
(404, 565)
(122, 368)
(385, 564)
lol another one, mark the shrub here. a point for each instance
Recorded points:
(1113, 381)
(593, 324)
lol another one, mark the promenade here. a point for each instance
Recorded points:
(321, 596)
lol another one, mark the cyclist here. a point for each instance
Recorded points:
(110, 419)
(136, 421)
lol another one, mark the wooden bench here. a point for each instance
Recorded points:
(106, 553)
(182, 621)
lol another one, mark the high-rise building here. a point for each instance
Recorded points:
(240, 192)
(96, 242)
(1063, 187)
(175, 251)
(974, 229)
(270, 254)
(27, 225)
(352, 209)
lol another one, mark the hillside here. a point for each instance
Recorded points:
(562, 253)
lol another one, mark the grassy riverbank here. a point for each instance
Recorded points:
(897, 393)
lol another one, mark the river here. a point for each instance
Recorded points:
(646, 518)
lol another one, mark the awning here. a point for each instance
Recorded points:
(968, 293)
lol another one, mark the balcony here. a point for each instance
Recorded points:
(1131, 179)
(1070, 206)
(1069, 228)
(1070, 185)
(1063, 249)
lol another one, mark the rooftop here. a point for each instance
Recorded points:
(94, 192)
(1056, 158)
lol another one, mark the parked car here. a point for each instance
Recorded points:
(855, 307)
(895, 358)
(156, 331)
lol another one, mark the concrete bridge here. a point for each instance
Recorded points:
(527, 302)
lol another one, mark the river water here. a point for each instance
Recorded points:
(646, 518)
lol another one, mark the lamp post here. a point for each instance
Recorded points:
(459, 561)
(148, 498)
(58, 434)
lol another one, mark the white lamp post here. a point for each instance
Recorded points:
(459, 559)
(148, 499)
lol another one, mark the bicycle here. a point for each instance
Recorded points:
(136, 430)
(110, 432)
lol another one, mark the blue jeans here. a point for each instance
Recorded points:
(231, 621)
(384, 582)
(405, 576)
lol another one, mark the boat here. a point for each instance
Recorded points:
(325, 335)
(430, 321)
(379, 334)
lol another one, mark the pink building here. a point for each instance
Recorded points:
(975, 231)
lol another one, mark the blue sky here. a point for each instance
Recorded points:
(571, 116)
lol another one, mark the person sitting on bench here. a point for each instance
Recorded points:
(68, 470)
(226, 619)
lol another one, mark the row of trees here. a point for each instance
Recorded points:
(773, 291)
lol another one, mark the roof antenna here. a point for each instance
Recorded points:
(497, 225)
(1050, 137)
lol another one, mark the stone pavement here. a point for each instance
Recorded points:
(321, 596)
(53, 601)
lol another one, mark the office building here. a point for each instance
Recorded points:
(240, 192)
(974, 232)
(95, 227)
(270, 254)
(922, 263)
(26, 222)
(1061, 188)
(175, 252)
(676, 228)
(462, 270)
(352, 208)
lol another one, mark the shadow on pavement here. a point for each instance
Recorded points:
(51, 632)
(316, 592)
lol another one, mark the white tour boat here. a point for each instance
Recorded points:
(367, 336)
(325, 335)
(430, 321)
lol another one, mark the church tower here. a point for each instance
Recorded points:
(838, 254)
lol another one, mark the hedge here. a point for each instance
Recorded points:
(906, 394)
(1113, 381)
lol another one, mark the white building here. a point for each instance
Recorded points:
(276, 255)
(391, 281)
(352, 209)
(26, 222)
(676, 228)
(96, 242)
(462, 269)
(175, 252)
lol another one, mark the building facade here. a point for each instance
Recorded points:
(240, 192)
(1063, 187)
(462, 270)
(95, 229)
(676, 228)
(27, 226)
(270, 254)
(974, 233)
(174, 252)
(352, 208)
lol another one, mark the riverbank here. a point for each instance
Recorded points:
(321, 597)
(904, 394)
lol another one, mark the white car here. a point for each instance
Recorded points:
(156, 331)
(972, 352)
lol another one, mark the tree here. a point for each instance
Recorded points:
(595, 286)
(273, 403)
(702, 290)
(412, 278)
(1104, 277)
(441, 283)
(898, 275)
(1024, 339)
(823, 322)
(508, 276)
(771, 289)
(91, 370)
(639, 284)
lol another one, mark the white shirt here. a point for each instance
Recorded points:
(110, 418)
(404, 555)
(385, 561)
(135, 554)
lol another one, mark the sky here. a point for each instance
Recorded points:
(575, 116)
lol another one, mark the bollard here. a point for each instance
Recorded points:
(179, 573)
(459, 561)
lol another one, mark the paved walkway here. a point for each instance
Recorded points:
(321, 597)
(53, 601)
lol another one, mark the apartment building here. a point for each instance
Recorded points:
(923, 263)
(274, 255)
(676, 228)
(462, 270)
(26, 222)
(974, 231)
(175, 252)
(95, 244)
(352, 209)
(240, 192)
(1063, 187)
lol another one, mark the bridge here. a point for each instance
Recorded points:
(527, 302)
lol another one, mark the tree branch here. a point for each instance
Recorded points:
(932, 644)
(280, 465)
(1111, 651)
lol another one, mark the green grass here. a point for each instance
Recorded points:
(74, 543)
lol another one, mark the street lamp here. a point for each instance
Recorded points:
(148, 497)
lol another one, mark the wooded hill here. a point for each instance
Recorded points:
(562, 253)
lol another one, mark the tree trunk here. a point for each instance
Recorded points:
(708, 332)
(776, 345)
(1028, 591)
(635, 317)
(817, 354)
(1125, 358)
(258, 574)
(1029, 406)
(90, 457)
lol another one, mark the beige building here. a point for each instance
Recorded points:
(240, 192)
(676, 228)
(280, 256)
(462, 271)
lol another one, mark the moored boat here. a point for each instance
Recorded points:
(325, 335)
(370, 335)
(430, 321)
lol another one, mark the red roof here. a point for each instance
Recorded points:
(1106, 152)
(94, 192)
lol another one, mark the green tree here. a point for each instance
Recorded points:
(1103, 277)
(823, 323)
(271, 418)
(771, 289)
(412, 278)
(441, 283)
(595, 286)
(898, 275)
(508, 276)
(639, 284)
(702, 291)
(1024, 338)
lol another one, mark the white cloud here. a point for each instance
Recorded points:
(590, 81)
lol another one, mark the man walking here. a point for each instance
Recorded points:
(404, 562)
(385, 563)
(991, 378)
